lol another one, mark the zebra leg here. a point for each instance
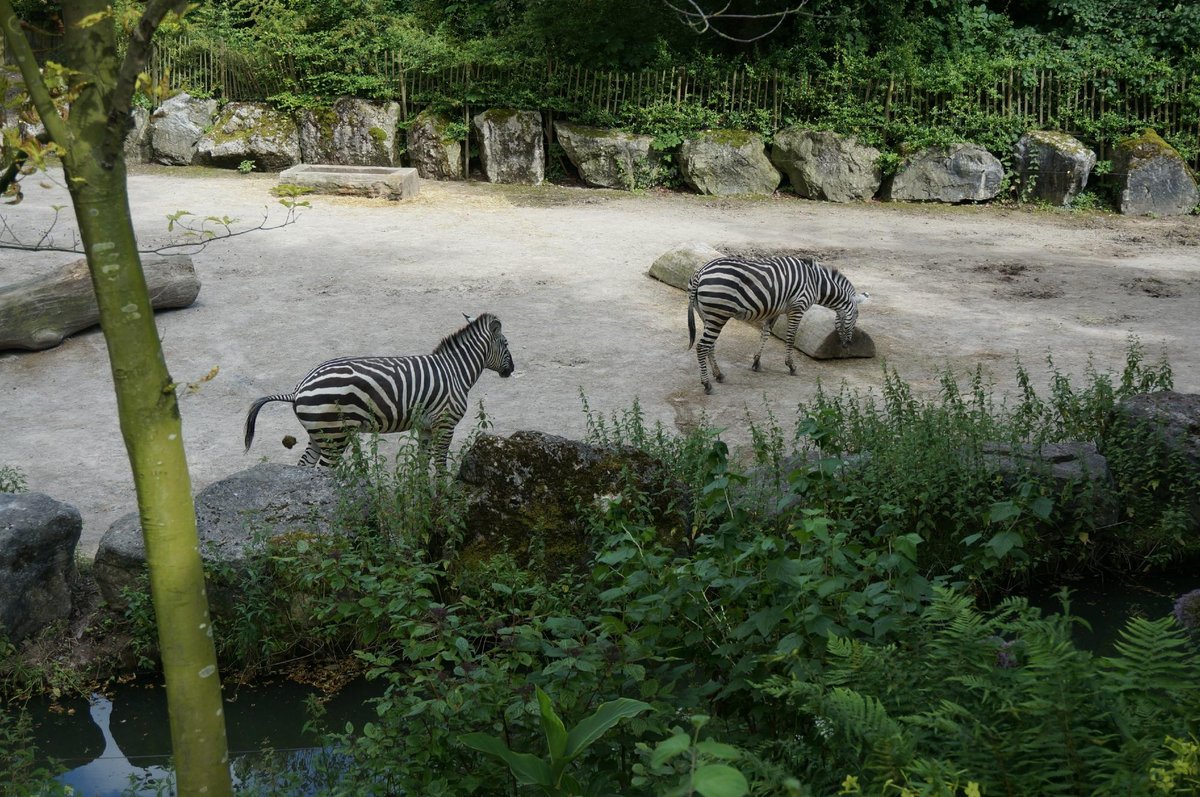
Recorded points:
(705, 353)
(762, 343)
(794, 315)
(311, 455)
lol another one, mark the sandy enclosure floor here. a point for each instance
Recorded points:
(565, 270)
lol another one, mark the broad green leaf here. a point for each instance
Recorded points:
(669, 748)
(1004, 542)
(527, 769)
(593, 727)
(725, 752)
(719, 780)
(556, 732)
(1003, 510)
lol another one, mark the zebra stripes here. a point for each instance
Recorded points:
(426, 393)
(760, 291)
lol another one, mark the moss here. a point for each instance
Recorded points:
(377, 134)
(732, 138)
(1144, 146)
(1062, 141)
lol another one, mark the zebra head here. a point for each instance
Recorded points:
(847, 316)
(497, 356)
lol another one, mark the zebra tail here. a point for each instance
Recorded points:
(691, 319)
(258, 405)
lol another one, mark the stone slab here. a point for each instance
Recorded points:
(377, 181)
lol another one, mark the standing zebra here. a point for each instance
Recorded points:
(760, 291)
(425, 392)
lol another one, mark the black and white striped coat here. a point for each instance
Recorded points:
(759, 291)
(426, 393)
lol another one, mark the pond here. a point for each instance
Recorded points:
(121, 744)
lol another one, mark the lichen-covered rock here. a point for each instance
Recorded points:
(725, 162)
(1078, 474)
(529, 494)
(511, 146)
(264, 502)
(1153, 177)
(610, 158)
(38, 536)
(137, 141)
(824, 165)
(353, 132)
(432, 150)
(251, 131)
(1175, 419)
(958, 173)
(176, 127)
(677, 266)
(1051, 167)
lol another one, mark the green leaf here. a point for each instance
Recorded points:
(1003, 510)
(556, 732)
(669, 748)
(527, 769)
(593, 727)
(725, 752)
(719, 780)
(1004, 542)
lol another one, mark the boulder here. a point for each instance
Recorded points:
(251, 131)
(824, 165)
(529, 496)
(38, 536)
(137, 140)
(176, 127)
(723, 162)
(511, 146)
(678, 265)
(1175, 418)
(816, 336)
(432, 150)
(1153, 177)
(352, 133)
(958, 173)
(1077, 472)
(265, 502)
(1051, 167)
(610, 158)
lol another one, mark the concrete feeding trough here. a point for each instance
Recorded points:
(391, 182)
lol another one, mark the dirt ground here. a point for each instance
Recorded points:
(565, 270)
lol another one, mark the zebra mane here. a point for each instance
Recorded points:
(482, 321)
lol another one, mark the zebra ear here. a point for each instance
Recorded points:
(469, 319)
(861, 297)
(495, 326)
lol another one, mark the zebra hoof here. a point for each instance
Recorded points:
(754, 365)
(720, 377)
(791, 369)
(707, 387)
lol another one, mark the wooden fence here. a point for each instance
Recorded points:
(1085, 107)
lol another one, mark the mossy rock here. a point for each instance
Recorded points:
(1153, 177)
(531, 495)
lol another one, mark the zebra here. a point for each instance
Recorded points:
(426, 393)
(760, 291)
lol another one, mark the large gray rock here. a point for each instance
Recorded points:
(176, 127)
(824, 165)
(724, 162)
(1082, 485)
(251, 131)
(958, 173)
(37, 562)
(1153, 177)
(352, 133)
(676, 266)
(610, 158)
(137, 141)
(529, 495)
(432, 150)
(1175, 419)
(1051, 167)
(511, 146)
(266, 501)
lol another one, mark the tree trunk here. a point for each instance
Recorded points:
(146, 402)
(38, 313)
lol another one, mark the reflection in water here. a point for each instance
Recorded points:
(111, 772)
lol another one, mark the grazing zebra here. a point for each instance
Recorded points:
(425, 392)
(760, 291)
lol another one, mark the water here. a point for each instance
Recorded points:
(121, 745)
